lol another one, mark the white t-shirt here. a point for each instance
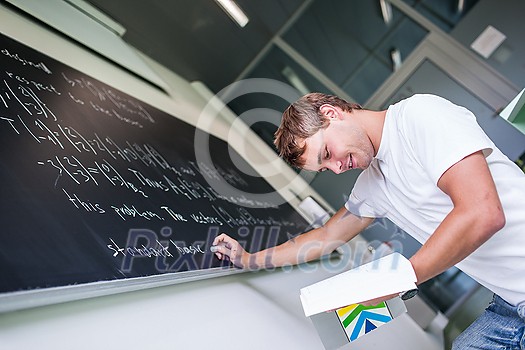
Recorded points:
(423, 136)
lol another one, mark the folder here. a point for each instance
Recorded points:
(333, 304)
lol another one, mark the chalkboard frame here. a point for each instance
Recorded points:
(27, 299)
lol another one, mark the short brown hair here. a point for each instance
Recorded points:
(301, 120)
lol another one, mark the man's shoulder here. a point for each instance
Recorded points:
(422, 101)
(420, 108)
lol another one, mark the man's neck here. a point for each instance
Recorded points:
(373, 123)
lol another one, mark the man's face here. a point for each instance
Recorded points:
(342, 146)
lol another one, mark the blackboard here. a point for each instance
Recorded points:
(98, 187)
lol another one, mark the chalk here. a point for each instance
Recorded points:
(214, 248)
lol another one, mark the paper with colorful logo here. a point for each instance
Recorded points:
(358, 320)
(385, 276)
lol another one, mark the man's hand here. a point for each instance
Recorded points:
(311, 245)
(228, 248)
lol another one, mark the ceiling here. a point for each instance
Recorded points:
(196, 38)
(347, 40)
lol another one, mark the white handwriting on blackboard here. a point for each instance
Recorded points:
(77, 100)
(156, 251)
(243, 218)
(39, 65)
(127, 105)
(81, 172)
(123, 104)
(131, 211)
(114, 114)
(144, 251)
(200, 218)
(83, 161)
(149, 182)
(175, 216)
(29, 101)
(36, 85)
(84, 204)
(188, 249)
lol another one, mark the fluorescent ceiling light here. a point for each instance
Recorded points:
(234, 11)
(461, 6)
(395, 55)
(386, 10)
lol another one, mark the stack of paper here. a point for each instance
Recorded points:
(388, 275)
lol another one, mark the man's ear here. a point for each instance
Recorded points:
(329, 111)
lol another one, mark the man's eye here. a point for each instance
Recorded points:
(327, 154)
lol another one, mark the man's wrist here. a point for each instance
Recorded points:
(248, 261)
(409, 294)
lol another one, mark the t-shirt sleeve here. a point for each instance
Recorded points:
(441, 133)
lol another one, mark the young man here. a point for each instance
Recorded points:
(430, 169)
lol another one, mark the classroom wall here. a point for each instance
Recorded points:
(257, 310)
(505, 16)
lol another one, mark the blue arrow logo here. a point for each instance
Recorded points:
(366, 316)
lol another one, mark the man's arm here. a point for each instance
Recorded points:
(311, 245)
(476, 216)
